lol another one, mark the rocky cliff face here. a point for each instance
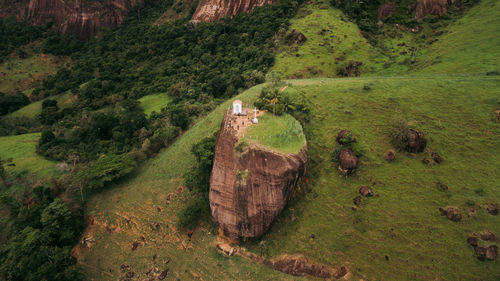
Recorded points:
(249, 189)
(210, 10)
(81, 17)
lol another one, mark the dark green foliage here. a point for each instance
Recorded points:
(179, 117)
(272, 100)
(14, 34)
(18, 125)
(61, 45)
(38, 245)
(198, 182)
(106, 169)
(10, 103)
(399, 134)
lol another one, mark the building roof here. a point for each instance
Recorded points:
(237, 101)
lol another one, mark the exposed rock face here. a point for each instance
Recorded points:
(386, 10)
(430, 7)
(80, 17)
(249, 189)
(211, 10)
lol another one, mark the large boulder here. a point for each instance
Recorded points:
(492, 208)
(390, 155)
(416, 142)
(348, 162)
(249, 188)
(488, 252)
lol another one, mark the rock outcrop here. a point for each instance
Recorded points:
(211, 10)
(423, 8)
(80, 17)
(386, 10)
(248, 189)
(348, 162)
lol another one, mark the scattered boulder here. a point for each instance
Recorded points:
(497, 114)
(366, 191)
(390, 155)
(452, 213)
(135, 245)
(357, 200)
(436, 157)
(489, 252)
(130, 274)
(426, 161)
(296, 37)
(472, 241)
(353, 69)
(125, 267)
(488, 236)
(492, 208)
(348, 162)
(416, 142)
(345, 137)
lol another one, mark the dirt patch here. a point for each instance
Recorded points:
(298, 265)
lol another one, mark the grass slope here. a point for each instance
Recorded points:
(34, 109)
(18, 74)
(471, 45)
(22, 149)
(154, 102)
(332, 41)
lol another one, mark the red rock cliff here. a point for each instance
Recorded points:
(249, 189)
(81, 17)
(210, 10)
(430, 7)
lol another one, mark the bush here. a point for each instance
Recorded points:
(10, 103)
(399, 134)
(189, 215)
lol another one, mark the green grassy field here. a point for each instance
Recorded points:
(155, 102)
(35, 108)
(282, 133)
(22, 149)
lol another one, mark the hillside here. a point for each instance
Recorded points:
(442, 80)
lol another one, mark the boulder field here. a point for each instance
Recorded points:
(249, 187)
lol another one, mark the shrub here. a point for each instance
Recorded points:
(188, 216)
(399, 134)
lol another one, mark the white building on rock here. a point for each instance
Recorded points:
(237, 107)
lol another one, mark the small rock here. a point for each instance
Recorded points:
(441, 186)
(488, 236)
(357, 200)
(426, 161)
(452, 213)
(130, 274)
(366, 191)
(124, 267)
(492, 208)
(481, 253)
(135, 245)
(390, 155)
(163, 274)
(313, 236)
(472, 241)
(436, 157)
(354, 208)
(387, 258)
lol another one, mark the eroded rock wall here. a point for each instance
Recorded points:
(81, 17)
(430, 7)
(211, 10)
(249, 189)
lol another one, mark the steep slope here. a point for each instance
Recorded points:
(81, 17)
(470, 45)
